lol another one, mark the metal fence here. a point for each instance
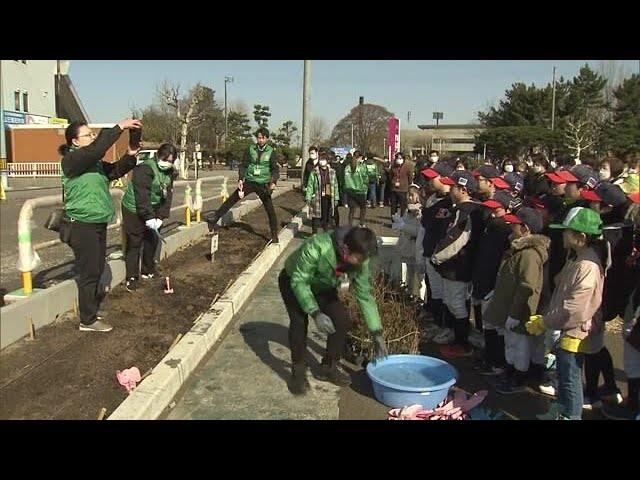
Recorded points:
(35, 169)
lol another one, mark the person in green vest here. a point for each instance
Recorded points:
(321, 194)
(356, 182)
(89, 208)
(258, 173)
(373, 170)
(309, 284)
(146, 202)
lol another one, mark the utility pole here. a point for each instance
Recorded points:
(352, 145)
(361, 126)
(553, 101)
(226, 123)
(306, 117)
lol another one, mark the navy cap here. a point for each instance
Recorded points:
(607, 193)
(531, 217)
(462, 178)
(515, 181)
(442, 169)
(585, 175)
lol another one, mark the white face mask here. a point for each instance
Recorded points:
(313, 155)
(604, 174)
(553, 164)
(529, 163)
(399, 161)
(538, 169)
(508, 168)
(433, 159)
(315, 161)
(361, 160)
(323, 163)
(164, 165)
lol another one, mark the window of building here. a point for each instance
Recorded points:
(17, 98)
(25, 102)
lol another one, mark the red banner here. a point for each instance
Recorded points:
(393, 137)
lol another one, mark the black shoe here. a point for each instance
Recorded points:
(330, 373)
(97, 326)
(132, 284)
(298, 384)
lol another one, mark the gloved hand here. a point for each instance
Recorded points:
(379, 347)
(323, 322)
(434, 261)
(535, 325)
(511, 323)
(153, 223)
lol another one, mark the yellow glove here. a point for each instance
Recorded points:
(535, 325)
(570, 344)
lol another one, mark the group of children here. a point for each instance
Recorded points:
(541, 259)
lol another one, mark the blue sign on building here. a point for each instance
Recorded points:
(341, 151)
(14, 118)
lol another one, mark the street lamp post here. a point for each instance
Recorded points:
(437, 116)
(226, 123)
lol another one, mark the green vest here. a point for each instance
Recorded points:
(87, 198)
(357, 181)
(259, 171)
(161, 181)
(372, 170)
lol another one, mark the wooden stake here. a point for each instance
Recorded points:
(101, 413)
(175, 342)
(32, 330)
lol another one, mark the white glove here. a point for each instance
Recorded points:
(511, 323)
(153, 223)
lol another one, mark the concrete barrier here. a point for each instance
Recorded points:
(45, 306)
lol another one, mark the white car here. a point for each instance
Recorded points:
(145, 155)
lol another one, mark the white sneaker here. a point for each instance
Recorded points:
(476, 339)
(547, 389)
(591, 404)
(445, 337)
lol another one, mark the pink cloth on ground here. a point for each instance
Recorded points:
(454, 407)
(128, 378)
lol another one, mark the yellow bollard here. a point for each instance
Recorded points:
(2, 194)
(198, 216)
(187, 217)
(26, 283)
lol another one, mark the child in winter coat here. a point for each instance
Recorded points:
(517, 294)
(574, 307)
(408, 227)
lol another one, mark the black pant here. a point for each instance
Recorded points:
(138, 235)
(357, 200)
(398, 198)
(594, 364)
(325, 210)
(89, 244)
(299, 321)
(263, 192)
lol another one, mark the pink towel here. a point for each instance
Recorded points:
(128, 378)
(454, 407)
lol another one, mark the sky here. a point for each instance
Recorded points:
(110, 88)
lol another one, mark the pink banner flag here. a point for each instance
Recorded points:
(393, 138)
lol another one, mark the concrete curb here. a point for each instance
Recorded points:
(46, 306)
(149, 400)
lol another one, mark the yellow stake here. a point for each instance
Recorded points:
(26, 283)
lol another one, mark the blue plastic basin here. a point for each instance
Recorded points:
(403, 380)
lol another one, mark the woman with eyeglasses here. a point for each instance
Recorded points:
(89, 208)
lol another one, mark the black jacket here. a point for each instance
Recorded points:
(620, 279)
(79, 161)
(142, 180)
(418, 178)
(309, 166)
(493, 242)
(436, 216)
(536, 184)
(455, 253)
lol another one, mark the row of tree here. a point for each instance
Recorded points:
(194, 116)
(595, 113)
